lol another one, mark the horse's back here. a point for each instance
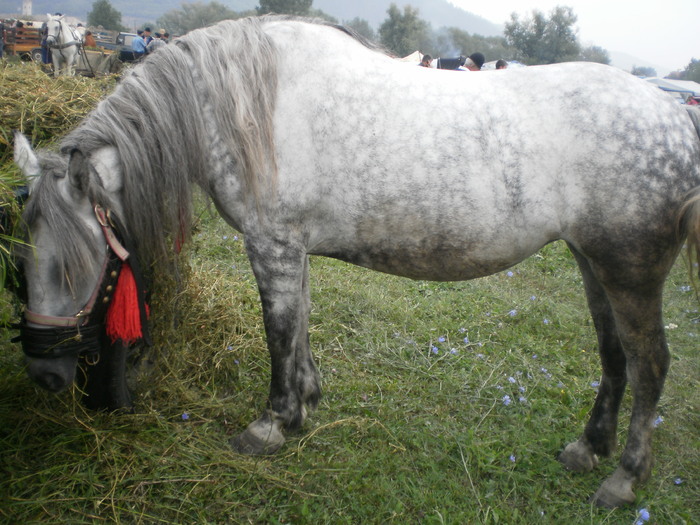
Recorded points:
(393, 166)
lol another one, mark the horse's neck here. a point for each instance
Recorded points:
(66, 33)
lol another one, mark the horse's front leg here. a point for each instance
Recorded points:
(281, 270)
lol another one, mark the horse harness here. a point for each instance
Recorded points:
(47, 336)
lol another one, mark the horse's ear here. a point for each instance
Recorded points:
(26, 159)
(78, 170)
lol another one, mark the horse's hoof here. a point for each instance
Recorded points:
(578, 457)
(616, 491)
(259, 439)
(609, 500)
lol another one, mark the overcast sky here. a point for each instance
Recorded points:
(665, 33)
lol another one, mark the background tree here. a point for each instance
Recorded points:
(195, 15)
(595, 54)
(403, 33)
(542, 40)
(362, 27)
(103, 14)
(318, 13)
(457, 42)
(692, 70)
(641, 71)
(287, 7)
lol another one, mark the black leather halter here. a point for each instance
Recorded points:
(46, 336)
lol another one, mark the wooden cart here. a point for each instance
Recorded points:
(24, 42)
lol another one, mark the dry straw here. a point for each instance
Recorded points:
(42, 107)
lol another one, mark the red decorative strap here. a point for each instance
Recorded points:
(123, 316)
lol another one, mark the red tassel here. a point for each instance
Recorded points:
(123, 316)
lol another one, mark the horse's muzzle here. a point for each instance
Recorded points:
(54, 375)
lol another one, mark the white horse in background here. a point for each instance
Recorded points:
(64, 43)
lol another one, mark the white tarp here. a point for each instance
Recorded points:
(677, 88)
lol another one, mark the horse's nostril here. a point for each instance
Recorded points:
(51, 382)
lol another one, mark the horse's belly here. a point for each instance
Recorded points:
(437, 258)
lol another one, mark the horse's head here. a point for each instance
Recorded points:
(53, 30)
(70, 264)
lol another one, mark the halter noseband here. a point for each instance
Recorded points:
(79, 335)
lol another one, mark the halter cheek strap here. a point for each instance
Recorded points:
(82, 317)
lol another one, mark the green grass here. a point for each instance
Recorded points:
(402, 434)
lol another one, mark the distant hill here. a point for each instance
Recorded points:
(438, 12)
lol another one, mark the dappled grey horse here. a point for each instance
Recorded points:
(313, 142)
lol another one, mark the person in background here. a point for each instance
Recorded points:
(501, 64)
(45, 50)
(89, 39)
(156, 43)
(426, 60)
(147, 35)
(138, 45)
(474, 62)
(2, 37)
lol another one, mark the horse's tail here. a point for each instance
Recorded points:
(689, 217)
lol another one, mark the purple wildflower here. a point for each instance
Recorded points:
(513, 313)
(511, 379)
(546, 321)
(512, 458)
(441, 339)
(510, 274)
(595, 384)
(506, 400)
(677, 481)
(658, 421)
(434, 350)
(466, 340)
(185, 416)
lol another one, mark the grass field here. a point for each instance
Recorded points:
(443, 403)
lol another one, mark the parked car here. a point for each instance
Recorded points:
(116, 42)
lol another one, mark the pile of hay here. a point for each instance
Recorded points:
(42, 107)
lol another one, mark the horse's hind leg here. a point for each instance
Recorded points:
(600, 436)
(640, 326)
(634, 296)
(281, 271)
